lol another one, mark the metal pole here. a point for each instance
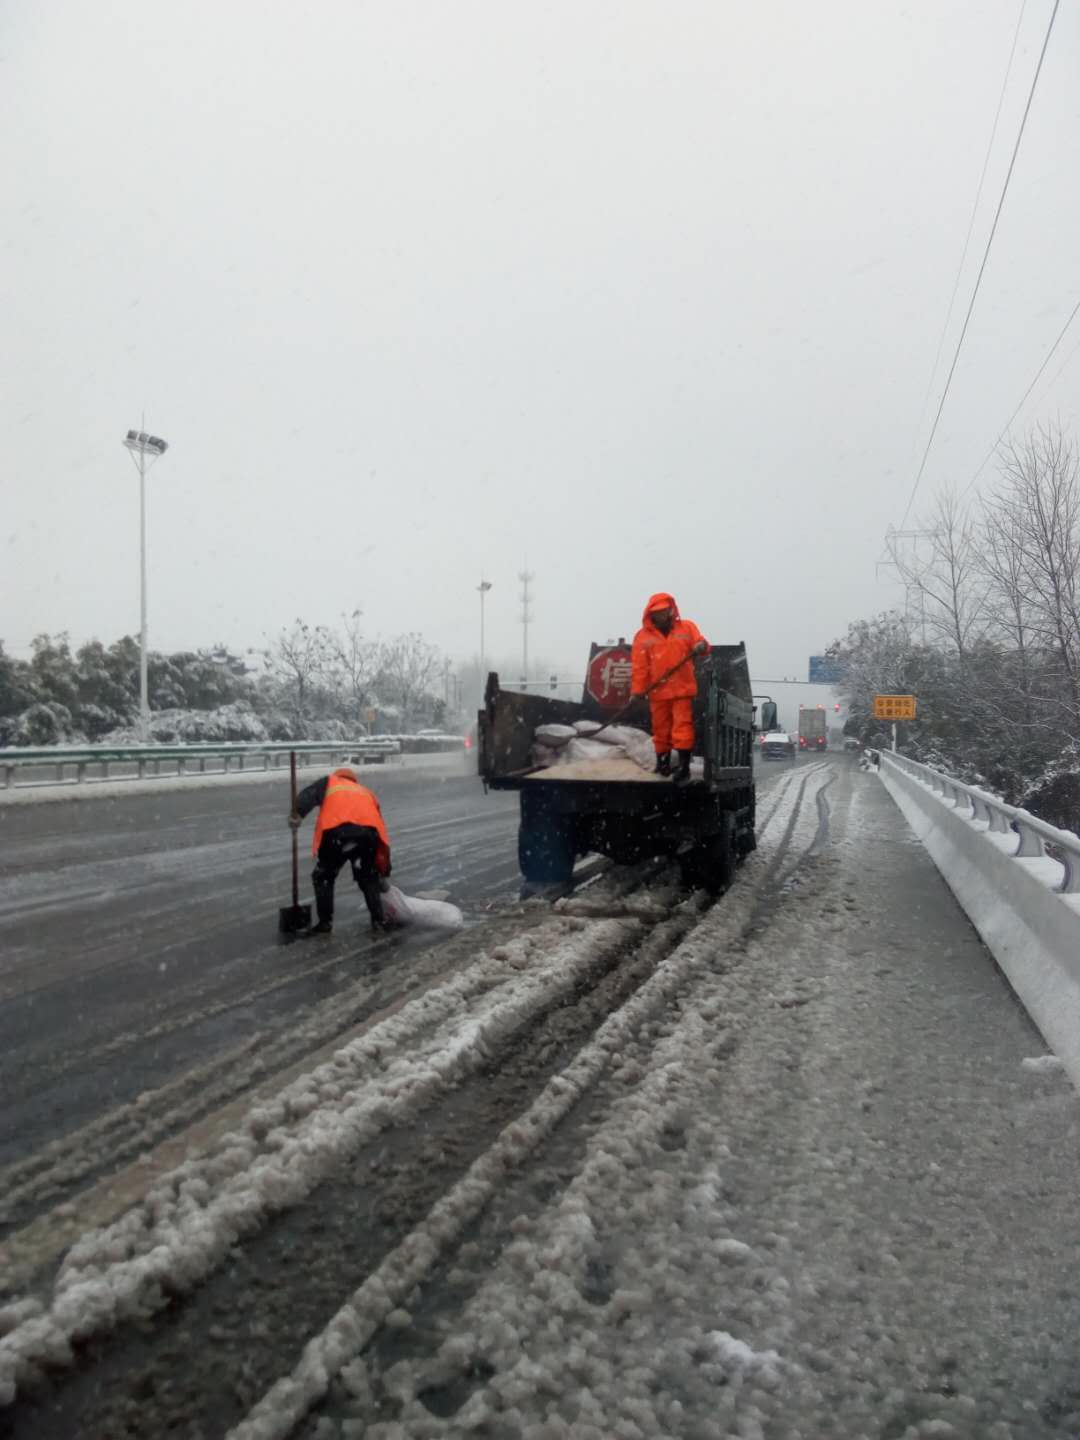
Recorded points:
(894, 737)
(144, 701)
(483, 588)
(526, 577)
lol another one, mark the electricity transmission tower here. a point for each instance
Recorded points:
(905, 555)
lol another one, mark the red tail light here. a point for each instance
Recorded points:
(468, 742)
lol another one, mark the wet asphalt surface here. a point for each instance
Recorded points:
(139, 935)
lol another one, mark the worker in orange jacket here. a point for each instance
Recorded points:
(350, 830)
(666, 642)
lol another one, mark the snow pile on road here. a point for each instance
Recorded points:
(1043, 1064)
(188, 1221)
(587, 740)
(610, 1374)
(632, 1306)
(387, 1290)
(770, 1228)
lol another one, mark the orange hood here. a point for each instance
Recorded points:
(346, 774)
(660, 601)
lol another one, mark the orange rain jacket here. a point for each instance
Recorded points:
(654, 654)
(346, 802)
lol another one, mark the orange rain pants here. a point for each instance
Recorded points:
(672, 723)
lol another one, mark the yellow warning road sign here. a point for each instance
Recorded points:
(894, 707)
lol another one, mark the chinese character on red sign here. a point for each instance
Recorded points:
(608, 677)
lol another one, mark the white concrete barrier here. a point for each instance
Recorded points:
(1024, 902)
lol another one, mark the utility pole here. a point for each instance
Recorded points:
(483, 588)
(526, 577)
(144, 450)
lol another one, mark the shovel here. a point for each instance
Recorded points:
(621, 714)
(294, 917)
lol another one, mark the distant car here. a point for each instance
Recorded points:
(777, 745)
(431, 735)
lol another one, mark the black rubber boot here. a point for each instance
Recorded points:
(373, 897)
(682, 774)
(663, 763)
(322, 882)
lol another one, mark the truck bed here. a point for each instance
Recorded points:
(618, 769)
(723, 724)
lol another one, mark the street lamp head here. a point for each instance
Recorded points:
(484, 586)
(139, 442)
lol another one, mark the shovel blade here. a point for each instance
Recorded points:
(292, 918)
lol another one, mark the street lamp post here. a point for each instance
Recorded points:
(145, 449)
(483, 588)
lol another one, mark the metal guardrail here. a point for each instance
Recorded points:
(1000, 819)
(148, 759)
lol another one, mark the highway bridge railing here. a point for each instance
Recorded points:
(1018, 879)
(59, 764)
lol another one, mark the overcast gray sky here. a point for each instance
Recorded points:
(647, 293)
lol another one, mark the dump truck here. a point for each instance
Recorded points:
(618, 808)
(812, 732)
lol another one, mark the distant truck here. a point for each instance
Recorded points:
(813, 734)
(707, 825)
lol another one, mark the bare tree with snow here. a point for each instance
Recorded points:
(354, 662)
(297, 660)
(1036, 507)
(409, 667)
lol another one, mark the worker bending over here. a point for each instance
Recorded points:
(350, 830)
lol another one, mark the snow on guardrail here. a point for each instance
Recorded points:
(1024, 901)
(74, 764)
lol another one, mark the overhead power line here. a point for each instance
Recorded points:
(1024, 398)
(974, 212)
(982, 266)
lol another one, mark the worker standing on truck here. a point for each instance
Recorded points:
(350, 830)
(663, 652)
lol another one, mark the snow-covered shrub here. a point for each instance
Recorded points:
(1055, 794)
(236, 722)
(329, 730)
(46, 723)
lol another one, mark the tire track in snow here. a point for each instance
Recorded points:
(433, 1364)
(67, 1164)
(283, 1149)
(117, 1273)
(75, 1159)
(798, 776)
(371, 1203)
(412, 1263)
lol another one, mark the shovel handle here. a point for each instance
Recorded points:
(295, 842)
(643, 696)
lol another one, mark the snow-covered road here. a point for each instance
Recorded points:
(627, 1165)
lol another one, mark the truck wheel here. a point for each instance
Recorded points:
(546, 850)
(711, 865)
